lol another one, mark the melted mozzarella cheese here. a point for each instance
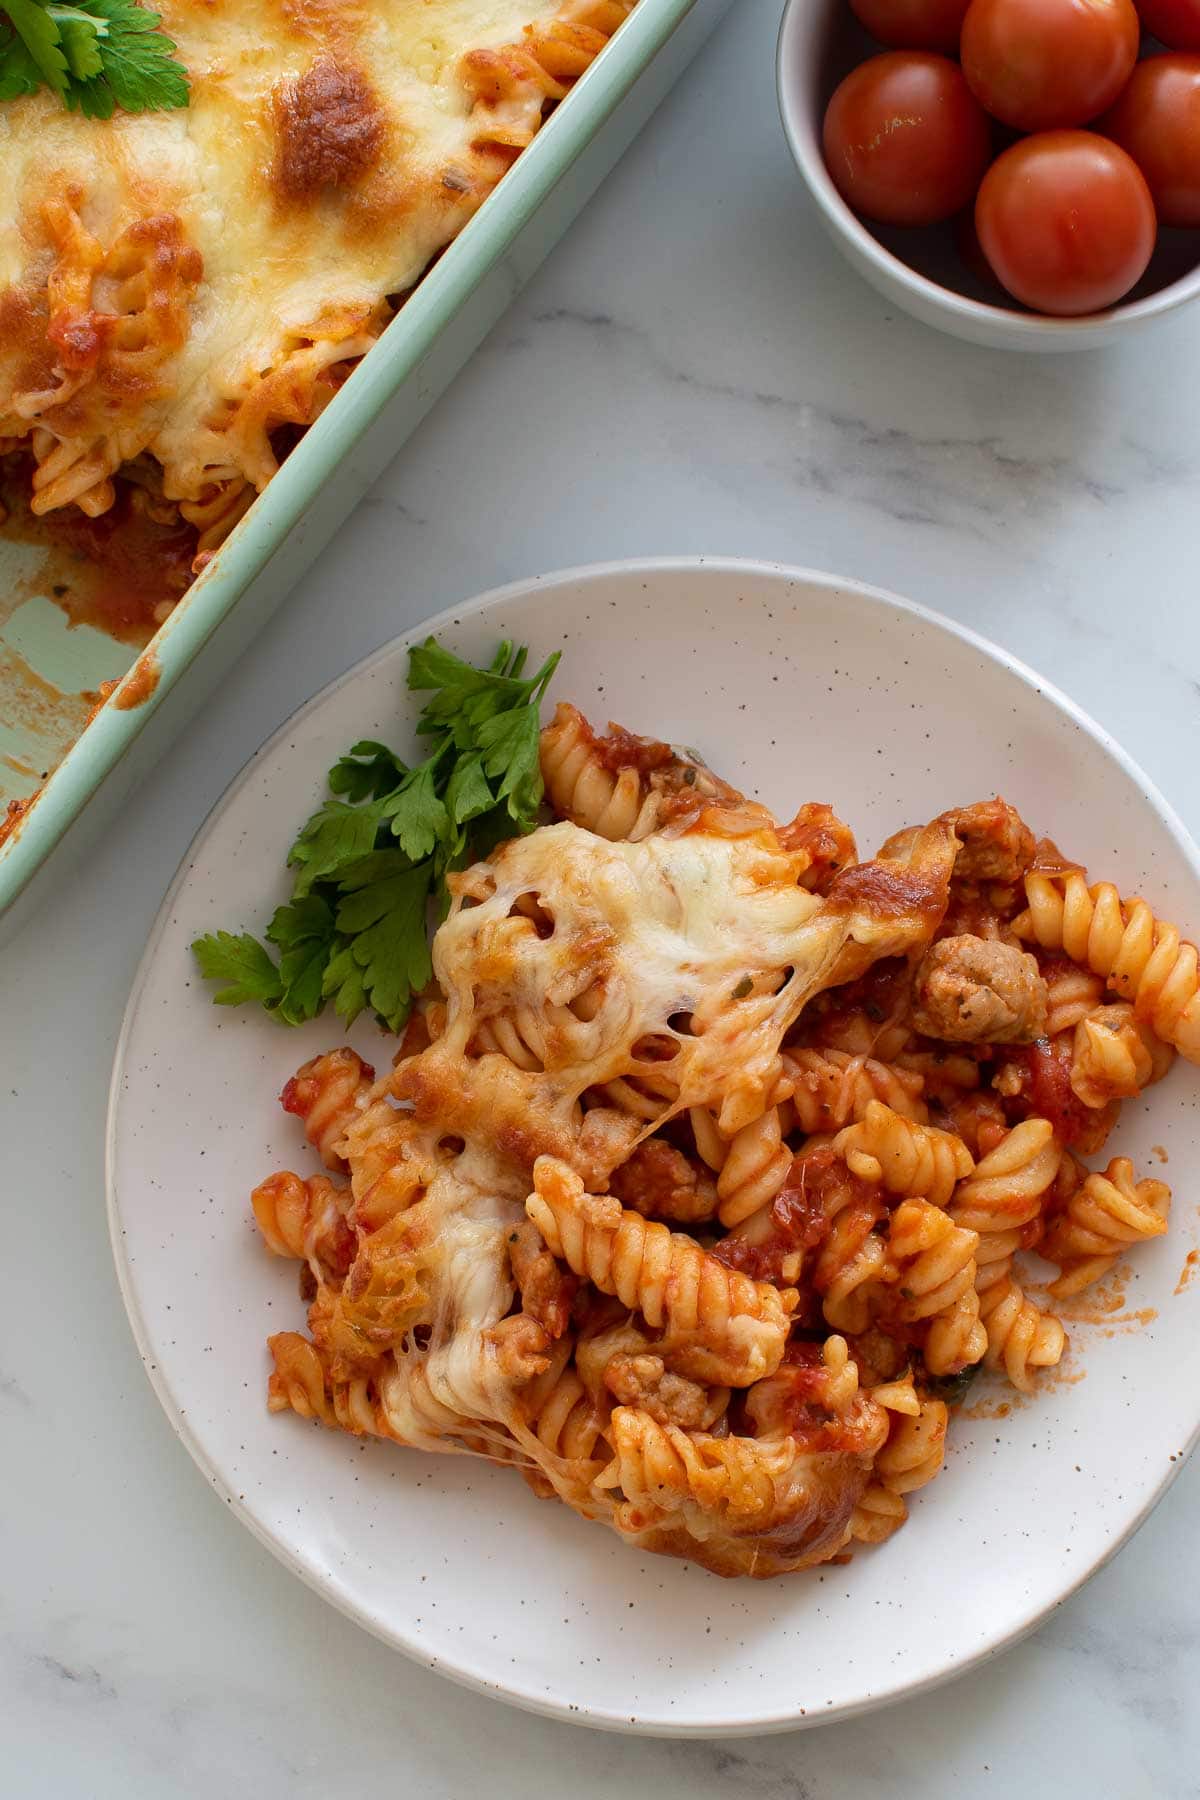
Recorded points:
(706, 939)
(278, 266)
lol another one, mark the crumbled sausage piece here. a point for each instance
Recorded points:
(644, 1382)
(971, 990)
(547, 1290)
(660, 1182)
(997, 845)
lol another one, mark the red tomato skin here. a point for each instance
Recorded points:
(1175, 23)
(1043, 65)
(1157, 119)
(913, 24)
(906, 142)
(1066, 220)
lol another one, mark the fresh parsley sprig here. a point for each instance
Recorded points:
(370, 862)
(96, 55)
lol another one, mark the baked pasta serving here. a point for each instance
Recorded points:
(181, 292)
(701, 1182)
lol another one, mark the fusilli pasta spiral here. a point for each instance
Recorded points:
(660, 1468)
(831, 1088)
(1005, 1189)
(915, 1160)
(755, 1167)
(1001, 1200)
(915, 1449)
(568, 1424)
(302, 1382)
(582, 787)
(849, 1269)
(1020, 1336)
(392, 1160)
(851, 1257)
(881, 1510)
(307, 1220)
(932, 1263)
(386, 1293)
(1142, 958)
(878, 1514)
(325, 1095)
(1104, 1215)
(718, 1326)
(1071, 992)
(1116, 1055)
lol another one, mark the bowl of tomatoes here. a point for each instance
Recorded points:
(1024, 174)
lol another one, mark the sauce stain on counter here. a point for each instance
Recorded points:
(139, 684)
(1191, 1263)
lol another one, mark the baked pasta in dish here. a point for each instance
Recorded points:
(181, 292)
(702, 1178)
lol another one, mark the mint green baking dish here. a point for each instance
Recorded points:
(431, 337)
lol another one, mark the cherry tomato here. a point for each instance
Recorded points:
(913, 24)
(1066, 221)
(1157, 119)
(905, 140)
(1173, 22)
(1041, 64)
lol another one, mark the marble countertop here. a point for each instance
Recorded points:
(695, 370)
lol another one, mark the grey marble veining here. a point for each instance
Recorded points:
(695, 370)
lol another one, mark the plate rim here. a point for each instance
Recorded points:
(597, 1717)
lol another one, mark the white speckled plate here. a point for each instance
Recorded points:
(800, 687)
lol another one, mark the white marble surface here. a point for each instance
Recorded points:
(696, 370)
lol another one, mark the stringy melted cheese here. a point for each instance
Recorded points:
(663, 934)
(310, 199)
(689, 937)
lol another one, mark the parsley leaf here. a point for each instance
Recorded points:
(371, 863)
(40, 37)
(139, 58)
(243, 963)
(335, 835)
(366, 772)
(96, 55)
(78, 34)
(19, 73)
(417, 816)
(467, 792)
(510, 746)
(383, 918)
(305, 934)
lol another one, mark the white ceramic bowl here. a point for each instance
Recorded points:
(819, 42)
(796, 685)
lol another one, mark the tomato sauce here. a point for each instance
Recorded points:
(120, 573)
(139, 684)
(620, 749)
(14, 816)
(800, 1213)
(881, 995)
(1047, 1092)
(824, 838)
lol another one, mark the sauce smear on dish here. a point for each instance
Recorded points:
(120, 573)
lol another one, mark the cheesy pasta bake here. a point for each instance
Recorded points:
(181, 292)
(703, 1178)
